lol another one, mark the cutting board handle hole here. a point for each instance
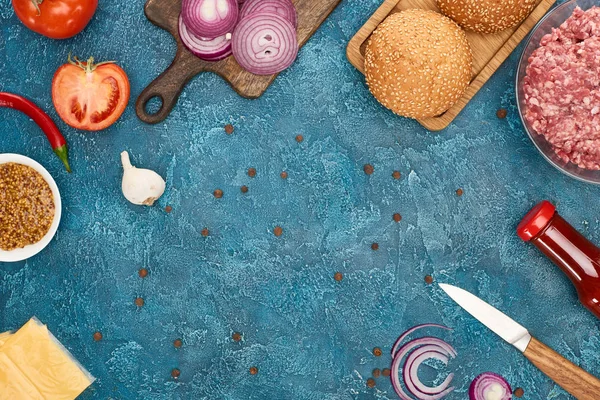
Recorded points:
(154, 104)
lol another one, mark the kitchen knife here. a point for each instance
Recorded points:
(570, 377)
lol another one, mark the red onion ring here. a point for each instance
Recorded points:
(408, 348)
(489, 383)
(410, 372)
(284, 8)
(210, 18)
(416, 352)
(207, 49)
(264, 43)
(411, 330)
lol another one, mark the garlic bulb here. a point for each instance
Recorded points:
(140, 186)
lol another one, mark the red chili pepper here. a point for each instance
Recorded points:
(56, 139)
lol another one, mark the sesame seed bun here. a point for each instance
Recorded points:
(487, 16)
(418, 63)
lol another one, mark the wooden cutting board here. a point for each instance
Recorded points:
(489, 50)
(169, 85)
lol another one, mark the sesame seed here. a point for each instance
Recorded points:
(395, 53)
(487, 16)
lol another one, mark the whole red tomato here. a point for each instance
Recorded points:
(57, 19)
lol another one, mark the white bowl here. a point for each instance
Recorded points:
(32, 249)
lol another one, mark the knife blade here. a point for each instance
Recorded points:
(501, 324)
(570, 377)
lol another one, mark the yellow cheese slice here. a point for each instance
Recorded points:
(34, 365)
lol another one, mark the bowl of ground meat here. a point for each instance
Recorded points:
(558, 88)
(30, 207)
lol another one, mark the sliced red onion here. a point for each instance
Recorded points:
(443, 348)
(400, 339)
(284, 8)
(416, 352)
(264, 43)
(210, 18)
(411, 376)
(207, 49)
(490, 386)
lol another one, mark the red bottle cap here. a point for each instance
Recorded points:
(535, 220)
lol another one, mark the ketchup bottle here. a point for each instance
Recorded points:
(576, 256)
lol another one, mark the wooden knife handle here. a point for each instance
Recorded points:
(567, 375)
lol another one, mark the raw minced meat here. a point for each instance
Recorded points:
(562, 89)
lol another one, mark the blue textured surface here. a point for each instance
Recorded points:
(310, 336)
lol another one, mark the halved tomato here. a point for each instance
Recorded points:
(90, 96)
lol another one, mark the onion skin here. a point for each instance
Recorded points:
(210, 18)
(264, 43)
(482, 386)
